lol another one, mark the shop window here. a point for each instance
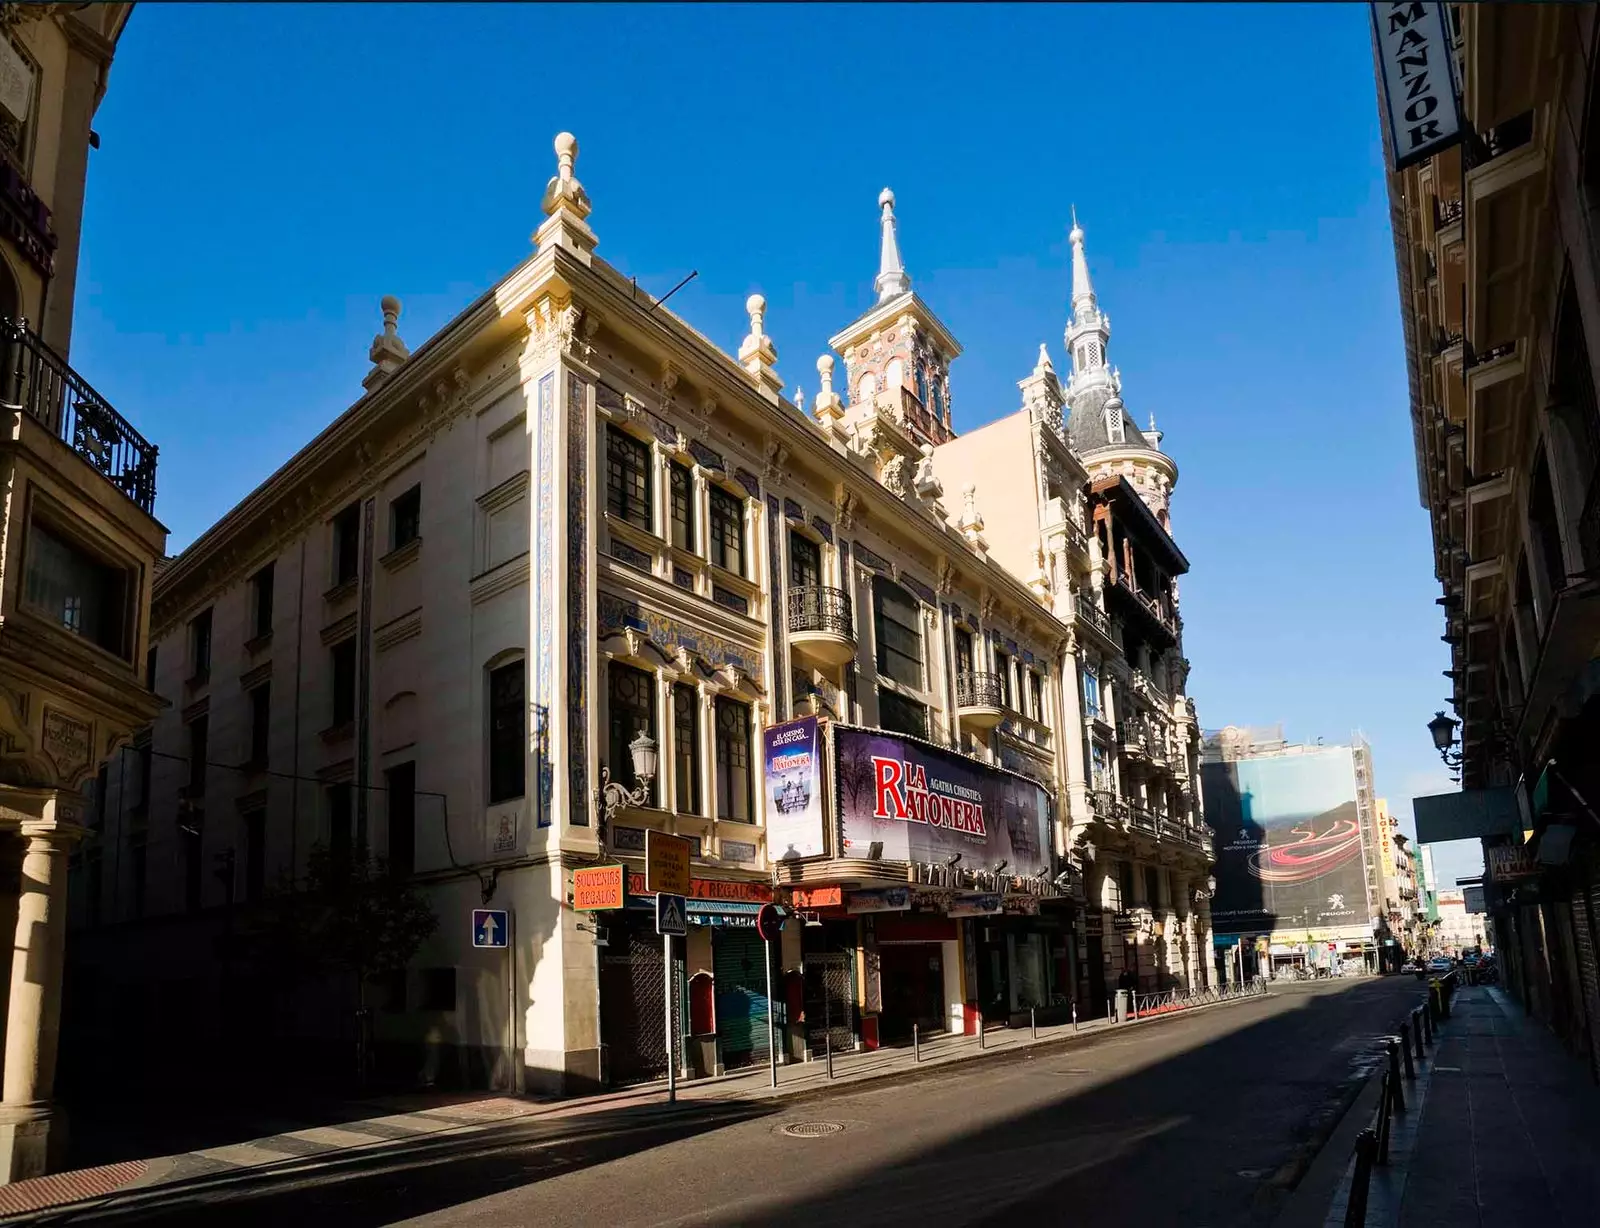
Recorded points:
(897, 617)
(735, 789)
(627, 478)
(77, 590)
(632, 711)
(727, 531)
(686, 747)
(508, 732)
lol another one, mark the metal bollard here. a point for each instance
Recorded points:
(1381, 1125)
(1397, 1099)
(1355, 1212)
(916, 1042)
(1111, 1015)
(1033, 1020)
(1405, 1050)
(1074, 1014)
(1427, 1026)
(1416, 1028)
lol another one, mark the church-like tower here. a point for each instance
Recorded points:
(1098, 423)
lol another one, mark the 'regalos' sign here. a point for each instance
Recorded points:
(1417, 80)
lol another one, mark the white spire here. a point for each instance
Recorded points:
(1082, 287)
(892, 278)
(1044, 365)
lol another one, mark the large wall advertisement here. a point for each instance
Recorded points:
(791, 760)
(924, 804)
(1289, 847)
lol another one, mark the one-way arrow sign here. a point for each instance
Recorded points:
(489, 928)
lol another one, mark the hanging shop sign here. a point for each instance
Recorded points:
(922, 804)
(1022, 906)
(1417, 79)
(599, 888)
(791, 758)
(1510, 863)
(973, 906)
(889, 899)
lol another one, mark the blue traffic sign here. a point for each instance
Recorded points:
(489, 927)
(672, 916)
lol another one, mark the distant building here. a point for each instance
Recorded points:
(1300, 861)
(1459, 929)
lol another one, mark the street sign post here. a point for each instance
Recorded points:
(672, 919)
(490, 928)
(666, 863)
(769, 924)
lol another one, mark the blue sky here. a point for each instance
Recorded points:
(267, 173)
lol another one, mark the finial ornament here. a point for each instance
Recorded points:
(825, 370)
(566, 205)
(892, 278)
(387, 352)
(757, 354)
(756, 305)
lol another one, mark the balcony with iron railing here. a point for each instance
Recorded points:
(1091, 615)
(979, 699)
(821, 623)
(38, 381)
(1108, 807)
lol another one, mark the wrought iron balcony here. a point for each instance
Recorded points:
(821, 623)
(38, 381)
(1447, 213)
(976, 689)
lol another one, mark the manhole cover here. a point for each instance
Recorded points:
(812, 1129)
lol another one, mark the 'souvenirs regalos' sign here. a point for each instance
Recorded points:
(1417, 75)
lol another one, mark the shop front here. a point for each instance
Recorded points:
(1025, 964)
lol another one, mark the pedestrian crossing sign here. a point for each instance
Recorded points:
(671, 915)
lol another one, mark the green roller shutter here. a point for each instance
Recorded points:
(741, 995)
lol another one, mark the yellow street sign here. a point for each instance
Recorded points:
(666, 863)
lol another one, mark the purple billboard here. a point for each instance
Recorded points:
(926, 804)
(792, 769)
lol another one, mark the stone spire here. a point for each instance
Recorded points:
(892, 278)
(1089, 332)
(1082, 287)
(757, 354)
(388, 352)
(566, 206)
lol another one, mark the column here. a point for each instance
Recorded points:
(33, 1013)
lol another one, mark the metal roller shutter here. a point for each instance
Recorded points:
(741, 995)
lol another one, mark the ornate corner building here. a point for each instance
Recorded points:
(79, 546)
(1499, 276)
(568, 520)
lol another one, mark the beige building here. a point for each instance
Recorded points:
(568, 520)
(79, 546)
(1459, 930)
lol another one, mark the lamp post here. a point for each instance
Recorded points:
(614, 796)
(1443, 731)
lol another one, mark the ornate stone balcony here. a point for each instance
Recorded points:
(821, 624)
(978, 699)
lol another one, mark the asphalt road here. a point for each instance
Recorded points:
(1205, 1119)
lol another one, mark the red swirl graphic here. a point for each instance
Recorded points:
(1309, 857)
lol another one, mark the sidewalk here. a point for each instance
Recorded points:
(1501, 1129)
(388, 1123)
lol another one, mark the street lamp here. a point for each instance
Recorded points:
(613, 796)
(1206, 892)
(1443, 731)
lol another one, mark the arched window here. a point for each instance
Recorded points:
(866, 389)
(894, 376)
(939, 411)
(922, 385)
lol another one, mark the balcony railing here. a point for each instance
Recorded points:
(816, 607)
(1446, 213)
(976, 689)
(37, 380)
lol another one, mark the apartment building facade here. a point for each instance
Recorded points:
(567, 521)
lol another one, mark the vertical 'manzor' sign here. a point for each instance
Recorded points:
(1417, 77)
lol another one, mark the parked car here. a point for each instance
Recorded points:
(1440, 964)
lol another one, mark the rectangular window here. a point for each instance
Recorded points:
(200, 647)
(1152, 886)
(632, 710)
(150, 669)
(898, 618)
(963, 651)
(199, 736)
(805, 561)
(255, 855)
(682, 491)
(627, 478)
(1002, 669)
(405, 518)
(401, 781)
(1035, 695)
(341, 834)
(346, 544)
(78, 591)
(343, 656)
(735, 798)
(1099, 767)
(261, 600)
(1091, 693)
(1125, 884)
(727, 531)
(508, 732)
(686, 747)
(898, 714)
(260, 724)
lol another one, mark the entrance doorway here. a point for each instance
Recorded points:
(1096, 959)
(913, 989)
